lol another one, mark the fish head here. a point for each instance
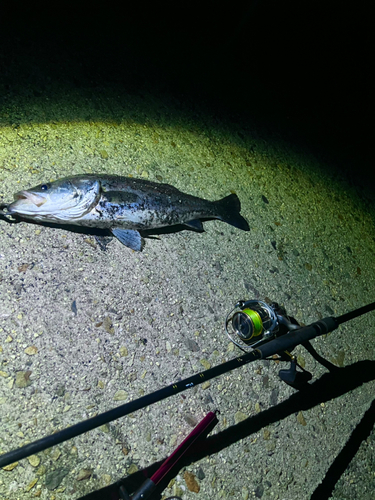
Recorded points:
(63, 200)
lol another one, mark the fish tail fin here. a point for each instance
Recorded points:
(228, 210)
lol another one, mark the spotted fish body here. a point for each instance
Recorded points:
(124, 205)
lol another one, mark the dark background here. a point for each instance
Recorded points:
(305, 68)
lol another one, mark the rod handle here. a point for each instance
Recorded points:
(289, 341)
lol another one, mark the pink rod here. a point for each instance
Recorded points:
(182, 448)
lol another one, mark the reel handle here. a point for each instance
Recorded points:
(295, 379)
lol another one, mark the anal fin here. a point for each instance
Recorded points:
(195, 224)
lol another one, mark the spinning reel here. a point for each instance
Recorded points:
(252, 323)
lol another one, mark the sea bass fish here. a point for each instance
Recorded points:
(123, 205)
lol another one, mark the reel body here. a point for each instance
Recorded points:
(254, 322)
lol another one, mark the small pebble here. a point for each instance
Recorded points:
(23, 379)
(132, 469)
(239, 417)
(84, 474)
(191, 482)
(31, 350)
(31, 485)
(34, 460)
(10, 466)
(123, 352)
(206, 364)
(245, 493)
(120, 395)
(301, 419)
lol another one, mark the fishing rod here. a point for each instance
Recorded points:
(261, 330)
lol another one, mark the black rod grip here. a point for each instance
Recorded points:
(296, 337)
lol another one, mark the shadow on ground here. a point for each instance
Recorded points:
(330, 386)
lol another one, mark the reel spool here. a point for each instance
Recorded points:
(251, 323)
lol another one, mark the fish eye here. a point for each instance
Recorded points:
(44, 187)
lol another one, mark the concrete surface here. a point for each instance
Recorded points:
(83, 329)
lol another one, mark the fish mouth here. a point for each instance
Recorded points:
(36, 199)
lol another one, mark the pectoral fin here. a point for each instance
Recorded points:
(129, 237)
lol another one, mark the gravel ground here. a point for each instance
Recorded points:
(85, 327)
